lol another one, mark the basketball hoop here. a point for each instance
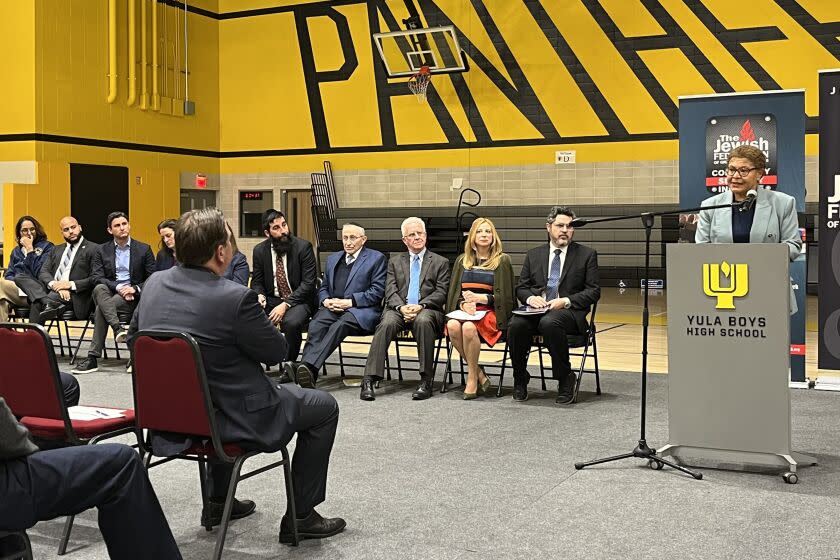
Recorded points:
(418, 83)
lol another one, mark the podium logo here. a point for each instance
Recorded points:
(736, 283)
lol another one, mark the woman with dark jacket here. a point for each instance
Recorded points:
(31, 250)
(238, 269)
(165, 257)
(482, 281)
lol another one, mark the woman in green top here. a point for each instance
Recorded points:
(482, 280)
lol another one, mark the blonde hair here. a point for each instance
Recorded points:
(470, 254)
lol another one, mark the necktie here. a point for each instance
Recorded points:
(350, 259)
(414, 281)
(553, 276)
(65, 263)
(282, 282)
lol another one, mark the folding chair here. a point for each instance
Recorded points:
(171, 395)
(585, 341)
(16, 544)
(31, 385)
(408, 337)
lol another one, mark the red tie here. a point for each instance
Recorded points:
(282, 283)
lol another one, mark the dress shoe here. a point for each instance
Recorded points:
(211, 515)
(423, 391)
(305, 376)
(51, 311)
(313, 526)
(486, 385)
(367, 393)
(520, 393)
(287, 373)
(470, 396)
(566, 391)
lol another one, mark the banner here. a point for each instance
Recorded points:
(774, 122)
(829, 253)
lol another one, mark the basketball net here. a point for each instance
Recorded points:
(419, 83)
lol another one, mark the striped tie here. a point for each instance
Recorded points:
(65, 263)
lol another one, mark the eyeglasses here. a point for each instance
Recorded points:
(28, 230)
(562, 227)
(351, 238)
(743, 171)
(415, 235)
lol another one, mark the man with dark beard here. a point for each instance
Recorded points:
(284, 279)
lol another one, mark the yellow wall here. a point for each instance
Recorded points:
(17, 92)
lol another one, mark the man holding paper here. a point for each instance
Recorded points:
(415, 293)
(561, 279)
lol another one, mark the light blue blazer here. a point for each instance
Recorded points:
(775, 221)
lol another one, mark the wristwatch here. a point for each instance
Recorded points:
(567, 305)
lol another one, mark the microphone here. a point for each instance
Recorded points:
(748, 202)
(579, 222)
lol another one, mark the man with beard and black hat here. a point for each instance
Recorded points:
(284, 279)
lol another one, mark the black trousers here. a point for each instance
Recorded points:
(313, 416)
(427, 327)
(293, 325)
(554, 327)
(68, 481)
(70, 385)
(326, 331)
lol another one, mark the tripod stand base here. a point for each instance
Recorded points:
(642, 451)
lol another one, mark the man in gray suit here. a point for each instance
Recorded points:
(415, 294)
(235, 338)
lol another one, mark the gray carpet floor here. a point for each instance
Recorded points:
(453, 479)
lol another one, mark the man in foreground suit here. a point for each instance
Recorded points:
(40, 485)
(284, 279)
(65, 279)
(415, 294)
(350, 301)
(561, 276)
(120, 268)
(235, 338)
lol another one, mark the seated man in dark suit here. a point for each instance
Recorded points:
(415, 295)
(235, 338)
(284, 277)
(350, 301)
(65, 279)
(563, 277)
(40, 485)
(119, 270)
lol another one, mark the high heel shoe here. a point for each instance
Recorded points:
(470, 396)
(486, 385)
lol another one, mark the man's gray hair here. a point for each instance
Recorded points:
(559, 211)
(412, 220)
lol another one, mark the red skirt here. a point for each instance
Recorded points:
(486, 327)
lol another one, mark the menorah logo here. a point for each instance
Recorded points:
(738, 285)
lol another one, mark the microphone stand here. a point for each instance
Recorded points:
(642, 449)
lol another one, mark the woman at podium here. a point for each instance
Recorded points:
(764, 216)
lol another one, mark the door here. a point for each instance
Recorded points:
(197, 199)
(95, 192)
(299, 215)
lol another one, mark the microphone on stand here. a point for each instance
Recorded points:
(579, 222)
(748, 202)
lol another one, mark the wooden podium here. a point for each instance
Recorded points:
(729, 357)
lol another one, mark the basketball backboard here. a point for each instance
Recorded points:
(406, 52)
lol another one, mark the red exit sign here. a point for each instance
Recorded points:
(245, 195)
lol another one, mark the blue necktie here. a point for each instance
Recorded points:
(414, 281)
(553, 276)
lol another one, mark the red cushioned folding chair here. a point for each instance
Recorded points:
(169, 376)
(31, 385)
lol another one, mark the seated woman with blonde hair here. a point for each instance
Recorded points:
(482, 280)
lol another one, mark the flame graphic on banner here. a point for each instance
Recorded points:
(747, 134)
